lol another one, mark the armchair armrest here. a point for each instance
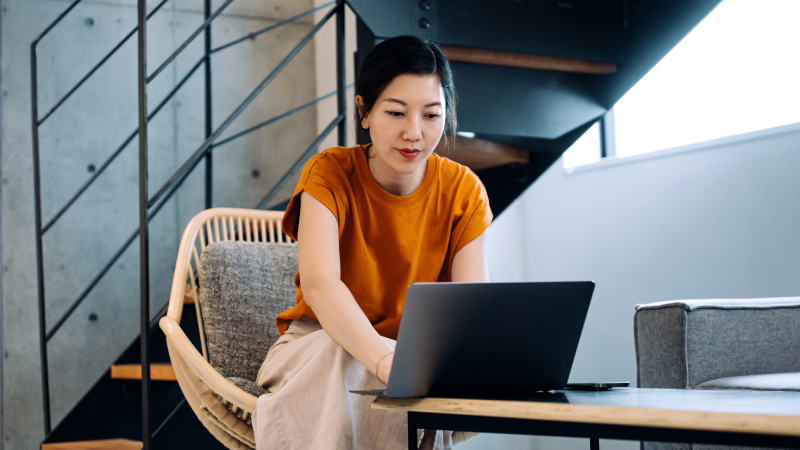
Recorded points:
(681, 344)
(195, 363)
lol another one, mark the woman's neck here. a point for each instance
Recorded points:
(392, 181)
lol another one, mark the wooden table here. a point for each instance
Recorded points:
(769, 419)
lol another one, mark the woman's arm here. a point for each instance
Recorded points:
(323, 290)
(469, 264)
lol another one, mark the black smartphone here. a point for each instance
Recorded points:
(596, 386)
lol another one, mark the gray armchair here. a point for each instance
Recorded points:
(751, 344)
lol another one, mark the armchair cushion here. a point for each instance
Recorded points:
(682, 344)
(248, 386)
(244, 286)
(770, 382)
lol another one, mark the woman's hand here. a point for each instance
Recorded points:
(385, 368)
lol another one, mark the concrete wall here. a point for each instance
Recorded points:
(710, 220)
(87, 128)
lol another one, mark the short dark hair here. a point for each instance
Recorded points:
(404, 55)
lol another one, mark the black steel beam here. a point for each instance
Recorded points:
(341, 97)
(608, 135)
(37, 199)
(209, 190)
(412, 426)
(144, 241)
(592, 430)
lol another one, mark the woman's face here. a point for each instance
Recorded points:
(406, 122)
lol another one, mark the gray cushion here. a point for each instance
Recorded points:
(650, 445)
(726, 303)
(768, 382)
(729, 447)
(243, 286)
(248, 386)
(682, 344)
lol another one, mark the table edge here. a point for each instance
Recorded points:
(769, 424)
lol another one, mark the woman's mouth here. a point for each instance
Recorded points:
(409, 153)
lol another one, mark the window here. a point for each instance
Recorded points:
(736, 72)
(585, 150)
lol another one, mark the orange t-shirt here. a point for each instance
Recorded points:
(387, 242)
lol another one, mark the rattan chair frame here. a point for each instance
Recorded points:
(207, 227)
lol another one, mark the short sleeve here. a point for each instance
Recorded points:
(477, 214)
(318, 180)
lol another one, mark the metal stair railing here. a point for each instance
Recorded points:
(150, 206)
(97, 66)
(187, 166)
(338, 121)
(121, 147)
(188, 41)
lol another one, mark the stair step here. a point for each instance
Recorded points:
(106, 444)
(158, 372)
(187, 299)
(478, 154)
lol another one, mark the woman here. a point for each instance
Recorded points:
(369, 221)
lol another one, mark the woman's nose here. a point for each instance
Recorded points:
(413, 132)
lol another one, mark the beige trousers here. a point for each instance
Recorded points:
(309, 406)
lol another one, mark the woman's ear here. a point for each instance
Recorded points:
(360, 106)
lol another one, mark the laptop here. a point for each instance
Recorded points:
(478, 339)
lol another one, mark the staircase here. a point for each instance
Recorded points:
(535, 74)
(109, 415)
(531, 75)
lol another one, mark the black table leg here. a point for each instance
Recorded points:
(412, 431)
(594, 444)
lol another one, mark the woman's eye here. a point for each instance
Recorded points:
(434, 116)
(394, 113)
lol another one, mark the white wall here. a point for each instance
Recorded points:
(711, 220)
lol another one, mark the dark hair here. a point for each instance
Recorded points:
(404, 55)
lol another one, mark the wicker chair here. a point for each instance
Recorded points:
(223, 407)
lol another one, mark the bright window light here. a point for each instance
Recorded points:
(585, 150)
(737, 71)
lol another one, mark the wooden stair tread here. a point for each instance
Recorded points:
(158, 372)
(526, 60)
(188, 299)
(478, 154)
(105, 444)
